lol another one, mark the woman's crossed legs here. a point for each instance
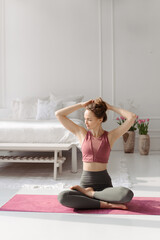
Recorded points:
(86, 198)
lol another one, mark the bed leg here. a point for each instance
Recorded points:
(60, 153)
(60, 168)
(55, 165)
(74, 159)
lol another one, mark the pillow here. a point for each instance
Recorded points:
(24, 109)
(71, 98)
(76, 114)
(28, 109)
(15, 109)
(68, 101)
(46, 109)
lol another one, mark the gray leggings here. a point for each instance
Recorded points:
(104, 191)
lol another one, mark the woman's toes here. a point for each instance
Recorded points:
(89, 192)
(74, 187)
(112, 205)
(125, 207)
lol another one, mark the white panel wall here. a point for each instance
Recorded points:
(135, 60)
(1, 56)
(107, 48)
(51, 45)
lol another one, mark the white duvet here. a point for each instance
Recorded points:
(36, 131)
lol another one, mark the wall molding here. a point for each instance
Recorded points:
(3, 47)
(113, 56)
(100, 47)
(3, 57)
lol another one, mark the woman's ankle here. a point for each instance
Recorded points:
(103, 204)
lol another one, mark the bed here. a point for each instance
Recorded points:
(40, 131)
(36, 131)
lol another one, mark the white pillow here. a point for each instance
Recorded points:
(68, 101)
(28, 109)
(24, 109)
(64, 99)
(46, 109)
(15, 109)
(76, 114)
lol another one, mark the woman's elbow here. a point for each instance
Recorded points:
(56, 113)
(134, 116)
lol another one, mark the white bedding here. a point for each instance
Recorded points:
(36, 131)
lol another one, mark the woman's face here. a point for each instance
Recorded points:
(91, 120)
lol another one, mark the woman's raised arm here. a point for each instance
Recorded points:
(116, 133)
(61, 115)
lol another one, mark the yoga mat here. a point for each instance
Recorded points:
(50, 204)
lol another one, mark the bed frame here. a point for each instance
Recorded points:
(56, 148)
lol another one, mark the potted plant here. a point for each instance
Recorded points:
(144, 138)
(129, 136)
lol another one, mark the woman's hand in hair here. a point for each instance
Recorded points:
(109, 107)
(85, 104)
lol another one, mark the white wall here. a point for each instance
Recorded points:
(107, 48)
(49, 43)
(1, 57)
(135, 61)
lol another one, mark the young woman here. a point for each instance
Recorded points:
(95, 189)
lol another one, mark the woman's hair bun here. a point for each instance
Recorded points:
(99, 108)
(100, 103)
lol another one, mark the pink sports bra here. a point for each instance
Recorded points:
(96, 149)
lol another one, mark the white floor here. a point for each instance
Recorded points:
(141, 173)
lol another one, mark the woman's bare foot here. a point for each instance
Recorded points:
(112, 205)
(87, 191)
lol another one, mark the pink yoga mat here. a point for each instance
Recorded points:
(50, 204)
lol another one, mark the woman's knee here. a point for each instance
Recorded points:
(63, 196)
(126, 195)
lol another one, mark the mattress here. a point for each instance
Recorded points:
(37, 131)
